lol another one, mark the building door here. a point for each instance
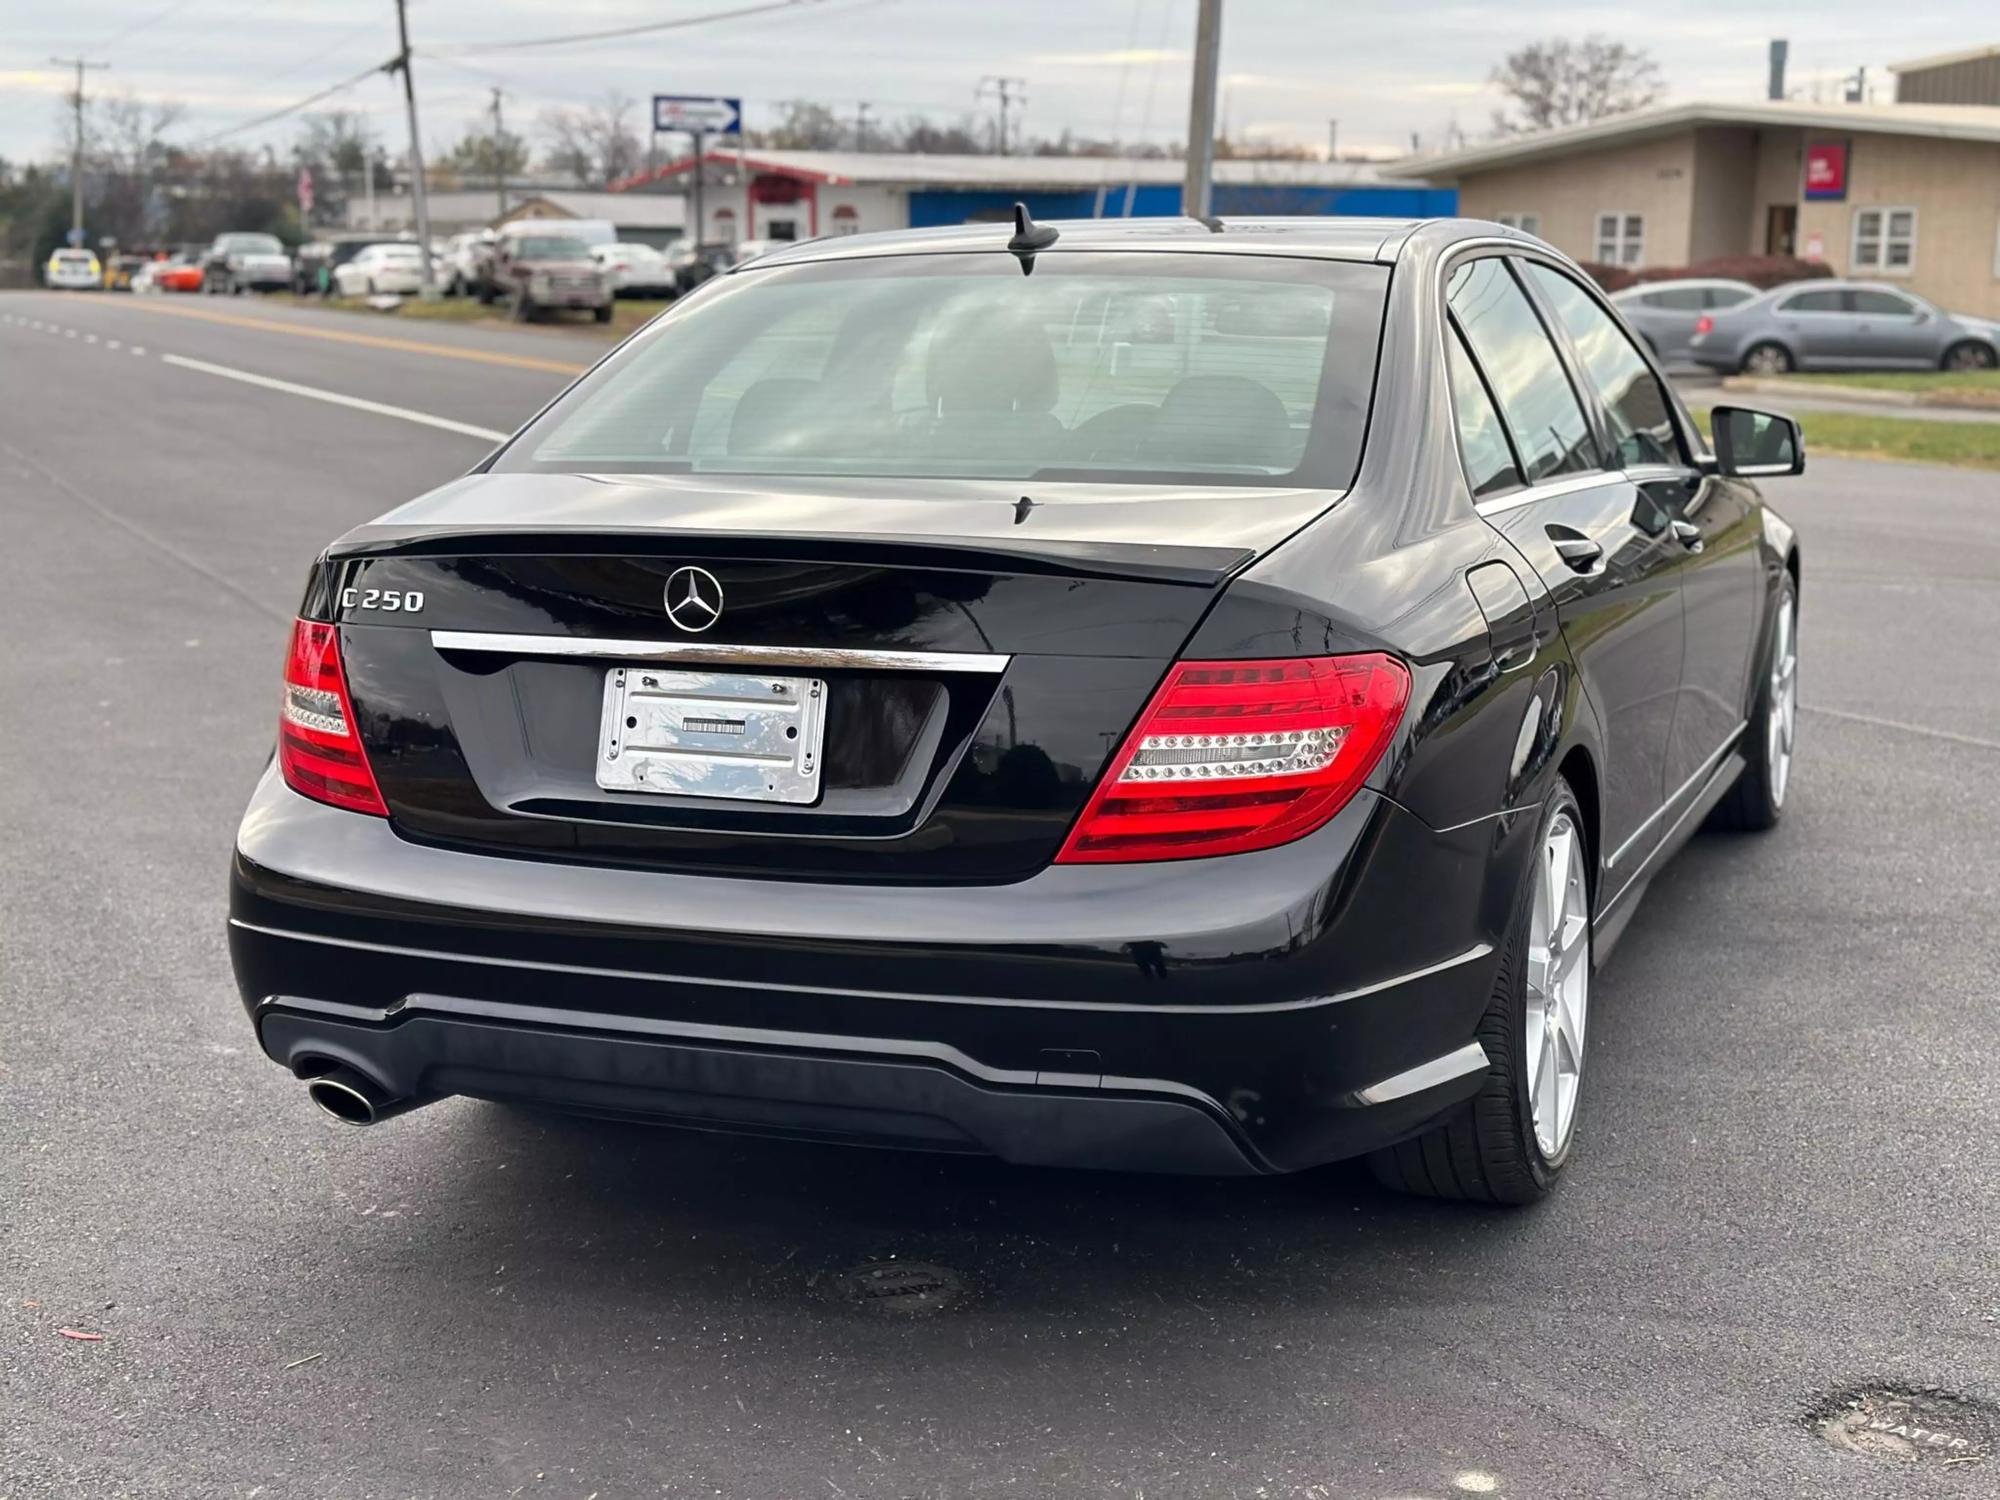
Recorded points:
(1781, 229)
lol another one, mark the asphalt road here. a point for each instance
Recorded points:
(1786, 1186)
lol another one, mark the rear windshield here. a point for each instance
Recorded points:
(252, 244)
(1138, 367)
(549, 247)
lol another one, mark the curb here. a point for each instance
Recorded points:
(1864, 396)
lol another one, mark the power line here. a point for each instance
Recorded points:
(291, 109)
(144, 21)
(616, 32)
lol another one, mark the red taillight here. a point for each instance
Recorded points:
(319, 753)
(1704, 324)
(1236, 755)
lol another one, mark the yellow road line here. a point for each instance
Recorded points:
(370, 340)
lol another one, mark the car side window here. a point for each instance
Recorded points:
(1482, 439)
(1506, 334)
(1678, 299)
(1812, 302)
(1642, 423)
(1727, 296)
(1882, 304)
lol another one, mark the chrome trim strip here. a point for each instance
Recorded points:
(1471, 1058)
(719, 653)
(1477, 951)
(1632, 881)
(1569, 484)
(1701, 773)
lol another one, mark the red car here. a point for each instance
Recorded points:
(177, 276)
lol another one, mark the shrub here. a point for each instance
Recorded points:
(1611, 278)
(1761, 271)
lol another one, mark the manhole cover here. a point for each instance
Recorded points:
(1914, 1427)
(898, 1288)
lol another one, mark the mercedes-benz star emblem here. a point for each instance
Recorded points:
(694, 598)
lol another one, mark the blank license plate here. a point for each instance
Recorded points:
(712, 734)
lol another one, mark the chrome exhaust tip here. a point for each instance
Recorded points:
(353, 1098)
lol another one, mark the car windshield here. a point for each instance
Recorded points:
(252, 244)
(1144, 367)
(73, 257)
(550, 247)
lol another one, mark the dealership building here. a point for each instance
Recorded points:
(1906, 192)
(800, 195)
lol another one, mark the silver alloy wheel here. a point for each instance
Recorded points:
(1558, 984)
(1767, 359)
(1969, 357)
(1782, 720)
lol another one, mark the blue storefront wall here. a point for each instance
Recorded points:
(933, 207)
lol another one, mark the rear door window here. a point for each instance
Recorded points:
(1814, 302)
(1728, 296)
(1882, 304)
(1678, 299)
(1642, 425)
(1482, 438)
(1514, 349)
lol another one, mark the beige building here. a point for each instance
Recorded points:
(1905, 192)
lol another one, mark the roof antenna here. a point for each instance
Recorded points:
(1029, 237)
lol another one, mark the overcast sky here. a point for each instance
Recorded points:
(1099, 67)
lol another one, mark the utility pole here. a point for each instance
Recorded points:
(418, 188)
(861, 126)
(1008, 91)
(76, 145)
(1198, 194)
(1333, 140)
(499, 154)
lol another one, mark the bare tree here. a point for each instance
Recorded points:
(1563, 82)
(482, 152)
(125, 155)
(806, 126)
(594, 146)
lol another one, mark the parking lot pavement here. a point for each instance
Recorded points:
(1785, 1187)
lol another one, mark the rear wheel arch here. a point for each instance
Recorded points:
(1579, 770)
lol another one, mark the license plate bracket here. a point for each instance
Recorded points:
(745, 735)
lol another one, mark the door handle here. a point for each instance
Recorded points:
(1579, 552)
(1688, 535)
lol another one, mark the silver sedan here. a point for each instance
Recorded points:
(1664, 313)
(1842, 325)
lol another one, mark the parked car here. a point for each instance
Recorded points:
(143, 279)
(853, 711)
(543, 270)
(119, 271)
(240, 262)
(380, 269)
(462, 261)
(317, 260)
(1664, 312)
(636, 270)
(73, 271)
(694, 264)
(177, 273)
(1842, 325)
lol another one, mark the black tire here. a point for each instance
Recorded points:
(1486, 1151)
(602, 314)
(1781, 359)
(1968, 354)
(1757, 801)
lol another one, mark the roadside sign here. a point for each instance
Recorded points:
(701, 114)
(75, 237)
(1826, 170)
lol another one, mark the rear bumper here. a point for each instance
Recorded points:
(1319, 1002)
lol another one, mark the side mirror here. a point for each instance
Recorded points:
(1756, 444)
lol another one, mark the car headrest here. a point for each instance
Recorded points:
(1228, 420)
(991, 364)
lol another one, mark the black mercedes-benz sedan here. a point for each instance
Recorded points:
(1198, 696)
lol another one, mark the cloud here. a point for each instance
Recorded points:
(1110, 59)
